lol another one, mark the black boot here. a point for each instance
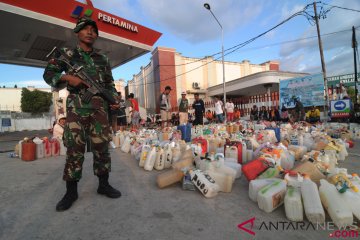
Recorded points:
(105, 188)
(69, 198)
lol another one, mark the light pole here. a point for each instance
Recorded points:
(207, 6)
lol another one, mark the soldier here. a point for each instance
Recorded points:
(84, 120)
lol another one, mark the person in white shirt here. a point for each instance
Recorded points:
(219, 109)
(58, 130)
(229, 106)
(165, 107)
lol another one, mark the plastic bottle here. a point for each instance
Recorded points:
(204, 183)
(40, 152)
(293, 204)
(144, 152)
(293, 179)
(176, 153)
(236, 167)
(256, 185)
(186, 161)
(126, 146)
(150, 159)
(160, 159)
(312, 203)
(168, 156)
(272, 196)
(224, 181)
(332, 200)
(169, 177)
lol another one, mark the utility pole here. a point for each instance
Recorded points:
(322, 63)
(354, 46)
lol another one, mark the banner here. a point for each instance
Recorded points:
(340, 108)
(309, 90)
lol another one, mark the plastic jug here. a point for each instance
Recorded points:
(224, 181)
(127, 144)
(116, 140)
(40, 152)
(150, 159)
(231, 154)
(55, 147)
(144, 152)
(293, 179)
(63, 149)
(213, 143)
(314, 210)
(220, 167)
(355, 180)
(236, 167)
(169, 177)
(256, 185)
(176, 153)
(287, 160)
(204, 183)
(272, 196)
(353, 202)
(272, 172)
(28, 151)
(293, 204)
(160, 159)
(333, 201)
(168, 156)
(186, 161)
(47, 147)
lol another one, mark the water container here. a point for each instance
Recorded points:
(169, 177)
(224, 181)
(144, 153)
(293, 179)
(272, 172)
(20, 147)
(47, 147)
(272, 196)
(333, 202)
(121, 138)
(176, 153)
(186, 161)
(150, 159)
(127, 144)
(160, 159)
(63, 149)
(342, 182)
(249, 155)
(28, 151)
(220, 167)
(231, 154)
(236, 167)
(168, 156)
(287, 160)
(40, 152)
(353, 201)
(314, 210)
(293, 204)
(55, 147)
(256, 185)
(116, 139)
(204, 183)
(213, 143)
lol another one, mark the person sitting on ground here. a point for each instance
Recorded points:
(237, 114)
(209, 116)
(254, 113)
(58, 129)
(284, 114)
(263, 114)
(313, 115)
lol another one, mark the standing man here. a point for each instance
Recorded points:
(135, 112)
(199, 108)
(299, 112)
(183, 109)
(121, 118)
(219, 109)
(229, 106)
(165, 107)
(84, 120)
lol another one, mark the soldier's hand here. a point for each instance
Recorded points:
(74, 81)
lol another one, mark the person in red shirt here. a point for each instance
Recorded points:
(135, 114)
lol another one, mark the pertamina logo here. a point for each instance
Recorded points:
(76, 13)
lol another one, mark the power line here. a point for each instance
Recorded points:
(344, 8)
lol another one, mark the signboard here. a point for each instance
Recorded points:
(340, 108)
(6, 122)
(309, 90)
(346, 80)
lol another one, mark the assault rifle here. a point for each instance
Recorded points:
(78, 71)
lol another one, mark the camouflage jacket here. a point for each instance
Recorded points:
(96, 65)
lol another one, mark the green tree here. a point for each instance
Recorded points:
(15, 86)
(35, 101)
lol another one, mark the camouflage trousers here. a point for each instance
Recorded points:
(80, 124)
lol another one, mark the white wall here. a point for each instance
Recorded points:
(29, 124)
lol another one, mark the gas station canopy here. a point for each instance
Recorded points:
(31, 28)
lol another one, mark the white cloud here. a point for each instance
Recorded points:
(304, 55)
(25, 83)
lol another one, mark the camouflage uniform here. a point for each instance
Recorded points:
(84, 119)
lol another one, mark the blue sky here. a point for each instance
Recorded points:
(189, 28)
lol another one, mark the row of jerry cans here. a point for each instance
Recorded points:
(41, 148)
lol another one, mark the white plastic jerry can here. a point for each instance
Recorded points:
(116, 140)
(256, 185)
(168, 156)
(236, 167)
(224, 181)
(40, 152)
(335, 204)
(150, 159)
(204, 183)
(144, 152)
(293, 204)
(160, 159)
(244, 154)
(126, 146)
(314, 210)
(176, 153)
(63, 149)
(272, 196)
